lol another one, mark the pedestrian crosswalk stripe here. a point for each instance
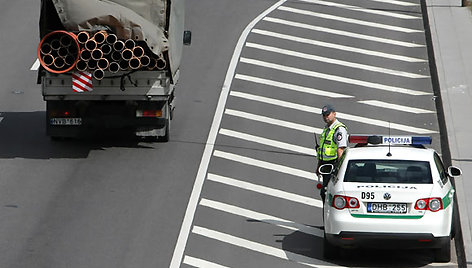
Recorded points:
(268, 142)
(337, 46)
(288, 86)
(261, 248)
(334, 78)
(266, 165)
(349, 20)
(335, 61)
(195, 262)
(339, 115)
(250, 214)
(342, 33)
(397, 107)
(365, 10)
(273, 121)
(395, 2)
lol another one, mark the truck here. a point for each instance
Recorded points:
(110, 66)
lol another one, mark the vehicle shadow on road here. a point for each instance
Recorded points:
(23, 135)
(301, 244)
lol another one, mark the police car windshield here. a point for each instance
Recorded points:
(388, 171)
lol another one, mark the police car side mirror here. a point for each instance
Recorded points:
(326, 169)
(453, 171)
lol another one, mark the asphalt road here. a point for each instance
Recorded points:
(121, 203)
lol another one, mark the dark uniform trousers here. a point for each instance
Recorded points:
(326, 178)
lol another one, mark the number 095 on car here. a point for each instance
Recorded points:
(387, 207)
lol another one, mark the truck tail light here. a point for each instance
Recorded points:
(149, 113)
(341, 202)
(432, 204)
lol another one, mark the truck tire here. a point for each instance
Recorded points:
(166, 136)
(443, 254)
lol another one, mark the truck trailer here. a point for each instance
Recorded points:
(110, 65)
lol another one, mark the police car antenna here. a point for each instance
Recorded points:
(389, 136)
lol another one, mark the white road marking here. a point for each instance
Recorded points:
(288, 86)
(266, 190)
(334, 78)
(250, 214)
(340, 115)
(349, 20)
(273, 121)
(202, 169)
(266, 165)
(392, 106)
(337, 46)
(394, 2)
(261, 248)
(35, 65)
(195, 262)
(268, 142)
(365, 10)
(342, 33)
(335, 61)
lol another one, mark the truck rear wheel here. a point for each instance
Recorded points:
(166, 136)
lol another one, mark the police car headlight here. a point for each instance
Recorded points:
(435, 204)
(339, 202)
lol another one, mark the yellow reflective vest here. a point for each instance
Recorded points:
(328, 148)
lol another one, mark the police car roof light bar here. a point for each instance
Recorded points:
(375, 139)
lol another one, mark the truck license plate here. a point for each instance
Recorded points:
(387, 208)
(66, 121)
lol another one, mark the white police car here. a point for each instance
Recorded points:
(386, 195)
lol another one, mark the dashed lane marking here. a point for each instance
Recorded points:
(265, 190)
(337, 46)
(261, 248)
(335, 78)
(273, 121)
(317, 111)
(268, 142)
(266, 165)
(342, 33)
(394, 2)
(349, 20)
(335, 61)
(250, 214)
(397, 107)
(365, 10)
(195, 262)
(288, 86)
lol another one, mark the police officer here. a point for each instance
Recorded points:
(332, 143)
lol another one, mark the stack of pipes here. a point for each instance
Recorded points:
(97, 53)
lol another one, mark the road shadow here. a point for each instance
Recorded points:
(23, 135)
(302, 244)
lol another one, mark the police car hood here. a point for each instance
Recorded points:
(387, 192)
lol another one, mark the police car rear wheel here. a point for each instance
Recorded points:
(329, 250)
(443, 254)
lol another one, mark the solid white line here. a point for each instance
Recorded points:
(273, 121)
(335, 61)
(392, 106)
(202, 170)
(349, 20)
(398, 3)
(266, 165)
(361, 9)
(266, 190)
(261, 248)
(340, 115)
(342, 33)
(35, 66)
(337, 46)
(201, 263)
(246, 213)
(268, 142)
(331, 77)
(290, 86)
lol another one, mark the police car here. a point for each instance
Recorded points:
(385, 194)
